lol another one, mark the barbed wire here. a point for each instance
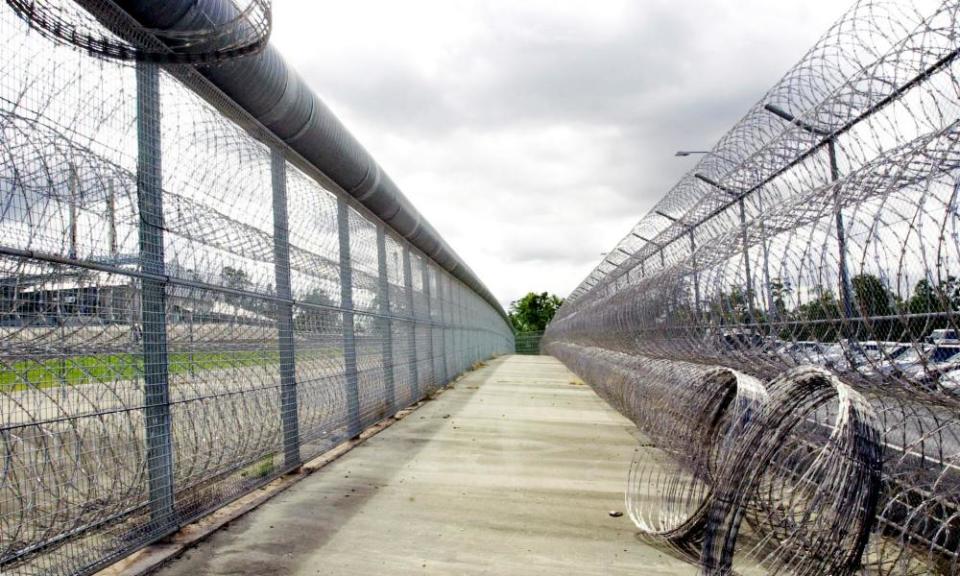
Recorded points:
(783, 325)
(187, 311)
(195, 33)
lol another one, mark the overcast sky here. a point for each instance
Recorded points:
(533, 134)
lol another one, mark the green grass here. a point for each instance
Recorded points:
(259, 469)
(98, 368)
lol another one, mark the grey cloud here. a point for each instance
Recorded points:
(534, 142)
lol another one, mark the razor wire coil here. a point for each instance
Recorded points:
(812, 255)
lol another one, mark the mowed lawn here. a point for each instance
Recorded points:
(50, 372)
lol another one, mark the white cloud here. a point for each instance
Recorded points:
(533, 134)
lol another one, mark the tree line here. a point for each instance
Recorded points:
(534, 311)
(876, 312)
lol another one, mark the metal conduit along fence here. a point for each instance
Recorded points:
(784, 325)
(188, 307)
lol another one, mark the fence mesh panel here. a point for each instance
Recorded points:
(185, 313)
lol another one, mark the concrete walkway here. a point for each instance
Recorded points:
(512, 471)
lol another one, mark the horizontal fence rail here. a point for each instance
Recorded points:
(189, 308)
(784, 325)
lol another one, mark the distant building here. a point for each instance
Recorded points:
(81, 295)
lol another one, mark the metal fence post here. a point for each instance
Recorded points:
(474, 337)
(153, 298)
(468, 330)
(693, 259)
(443, 284)
(386, 325)
(465, 341)
(745, 239)
(846, 293)
(460, 336)
(408, 285)
(354, 426)
(281, 254)
(425, 275)
(696, 276)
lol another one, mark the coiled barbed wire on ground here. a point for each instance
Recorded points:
(820, 235)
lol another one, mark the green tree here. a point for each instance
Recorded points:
(943, 297)
(875, 305)
(319, 320)
(819, 319)
(871, 295)
(730, 308)
(534, 311)
(933, 306)
(780, 290)
(925, 298)
(235, 278)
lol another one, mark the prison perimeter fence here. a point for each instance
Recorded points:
(204, 280)
(784, 325)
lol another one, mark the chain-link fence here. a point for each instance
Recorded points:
(527, 342)
(188, 307)
(783, 325)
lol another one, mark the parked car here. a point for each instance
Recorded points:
(876, 349)
(943, 335)
(864, 355)
(833, 354)
(737, 339)
(912, 355)
(803, 351)
(942, 359)
(923, 363)
(949, 381)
